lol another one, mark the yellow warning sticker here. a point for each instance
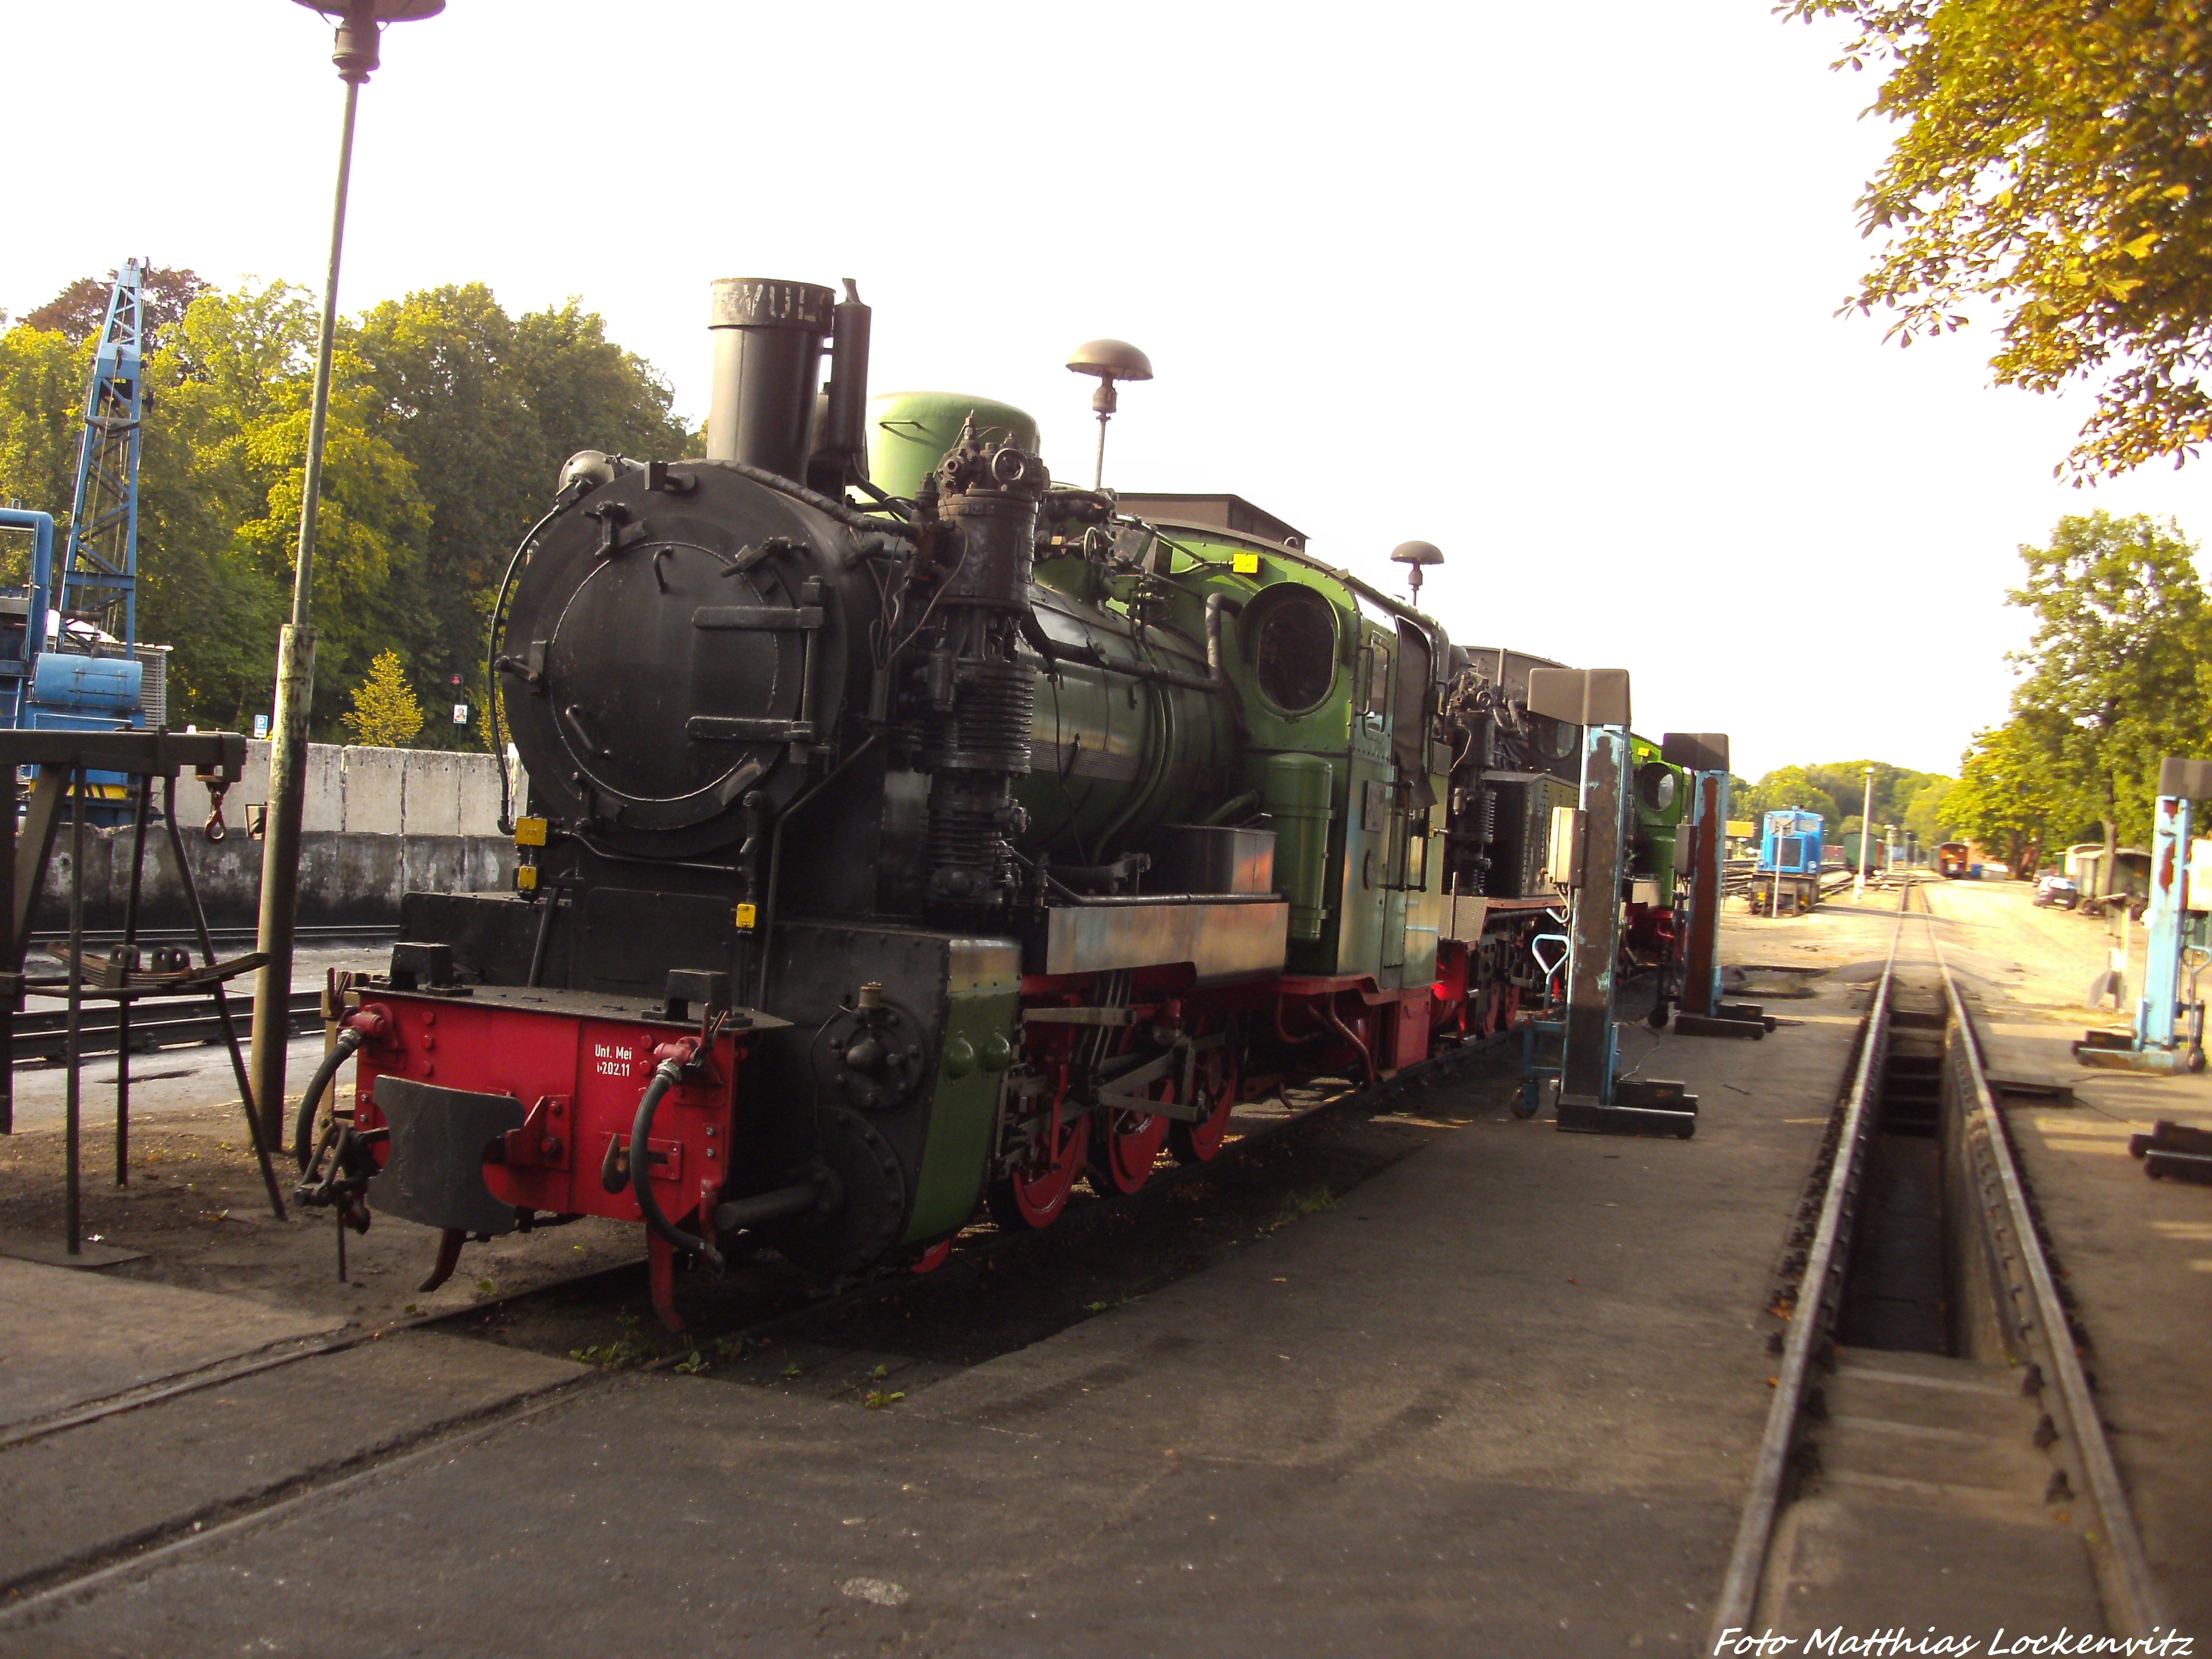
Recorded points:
(1244, 564)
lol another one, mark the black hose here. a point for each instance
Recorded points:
(666, 1076)
(304, 1126)
(491, 663)
(849, 517)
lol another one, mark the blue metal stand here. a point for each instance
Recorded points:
(2150, 1045)
(1593, 1098)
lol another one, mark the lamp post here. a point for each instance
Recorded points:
(360, 23)
(1866, 829)
(1110, 361)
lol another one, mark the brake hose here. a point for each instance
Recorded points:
(666, 1076)
(304, 1126)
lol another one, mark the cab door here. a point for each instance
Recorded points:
(1416, 918)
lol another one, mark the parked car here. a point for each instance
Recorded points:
(2059, 890)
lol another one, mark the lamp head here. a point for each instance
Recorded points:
(1110, 361)
(1416, 557)
(360, 23)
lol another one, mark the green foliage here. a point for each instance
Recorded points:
(384, 713)
(1929, 815)
(2116, 678)
(448, 422)
(2009, 799)
(1787, 787)
(2115, 667)
(2054, 164)
(1838, 791)
(80, 311)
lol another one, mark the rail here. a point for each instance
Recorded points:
(2125, 1583)
(2036, 1323)
(1810, 1319)
(42, 1035)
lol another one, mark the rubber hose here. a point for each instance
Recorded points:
(666, 1076)
(491, 664)
(303, 1149)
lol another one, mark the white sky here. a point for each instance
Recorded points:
(1552, 288)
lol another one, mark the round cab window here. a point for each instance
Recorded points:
(1291, 635)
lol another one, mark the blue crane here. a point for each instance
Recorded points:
(99, 568)
(86, 672)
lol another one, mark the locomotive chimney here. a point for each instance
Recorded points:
(767, 355)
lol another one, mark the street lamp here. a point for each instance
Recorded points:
(1866, 829)
(359, 24)
(1110, 361)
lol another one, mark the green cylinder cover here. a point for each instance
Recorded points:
(1297, 792)
(908, 433)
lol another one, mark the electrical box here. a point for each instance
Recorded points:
(1565, 857)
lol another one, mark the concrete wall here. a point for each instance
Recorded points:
(345, 877)
(375, 792)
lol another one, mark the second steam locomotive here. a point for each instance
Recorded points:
(906, 831)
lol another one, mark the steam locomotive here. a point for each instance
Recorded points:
(906, 831)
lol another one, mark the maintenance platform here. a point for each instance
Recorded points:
(1399, 1373)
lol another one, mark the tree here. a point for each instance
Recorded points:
(2123, 633)
(2010, 797)
(1787, 787)
(2054, 166)
(220, 484)
(79, 312)
(384, 713)
(1928, 814)
(449, 420)
(42, 381)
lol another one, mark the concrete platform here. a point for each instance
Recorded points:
(1502, 1398)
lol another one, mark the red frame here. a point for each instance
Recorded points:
(580, 1079)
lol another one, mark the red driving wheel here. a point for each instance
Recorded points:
(1124, 1161)
(1197, 1143)
(1034, 1195)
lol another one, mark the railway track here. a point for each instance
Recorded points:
(1931, 1413)
(41, 1035)
(158, 1023)
(982, 1258)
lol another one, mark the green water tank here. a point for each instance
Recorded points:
(908, 433)
(1297, 792)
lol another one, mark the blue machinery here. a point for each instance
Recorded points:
(20, 639)
(92, 680)
(1789, 860)
(1590, 848)
(2151, 1044)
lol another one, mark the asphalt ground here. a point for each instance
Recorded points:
(1496, 1391)
(1501, 1396)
